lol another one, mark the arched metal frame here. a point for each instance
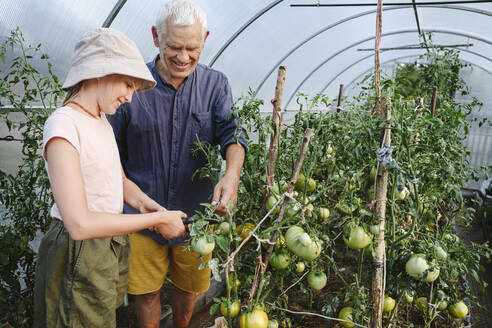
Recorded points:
(371, 38)
(371, 55)
(121, 3)
(369, 12)
(241, 29)
(403, 57)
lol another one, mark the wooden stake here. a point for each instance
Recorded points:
(340, 99)
(379, 247)
(290, 190)
(433, 101)
(272, 157)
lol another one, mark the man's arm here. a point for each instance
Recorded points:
(226, 189)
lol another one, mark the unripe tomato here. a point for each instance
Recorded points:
(255, 319)
(311, 185)
(421, 304)
(372, 174)
(224, 228)
(442, 305)
(300, 267)
(271, 202)
(440, 252)
(408, 296)
(388, 304)
(203, 245)
(317, 279)
(401, 194)
(234, 308)
(294, 244)
(232, 280)
(324, 213)
(280, 260)
(329, 149)
(458, 310)
(418, 268)
(358, 238)
(300, 182)
(272, 323)
(346, 314)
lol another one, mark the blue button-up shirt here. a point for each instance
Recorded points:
(156, 132)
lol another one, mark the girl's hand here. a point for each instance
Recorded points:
(173, 226)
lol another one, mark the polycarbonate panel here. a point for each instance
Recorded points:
(56, 24)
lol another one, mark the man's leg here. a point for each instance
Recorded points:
(183, 304)
(148, 308)
(149, 262)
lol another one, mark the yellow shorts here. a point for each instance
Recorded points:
(150, 262)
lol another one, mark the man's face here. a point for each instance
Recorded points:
(179, 50)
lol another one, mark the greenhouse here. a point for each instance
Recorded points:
(252, 164)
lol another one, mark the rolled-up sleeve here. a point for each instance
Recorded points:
(227, 129)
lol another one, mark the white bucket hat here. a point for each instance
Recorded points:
(105, 51)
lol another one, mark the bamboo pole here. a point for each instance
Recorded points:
(433, 101)
(277, 102)
(381, 184)
(340, 98)
(379, 247)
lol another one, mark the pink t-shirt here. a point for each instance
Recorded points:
(99, 158)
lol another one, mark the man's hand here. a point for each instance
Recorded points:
(173, 227)
(225, 192)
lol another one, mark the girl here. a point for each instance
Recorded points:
(82, 269)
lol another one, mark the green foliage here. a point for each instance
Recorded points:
(340, 159)
(25, 195)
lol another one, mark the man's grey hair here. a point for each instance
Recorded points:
(180, 13)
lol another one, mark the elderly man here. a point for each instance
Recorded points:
(155, 135)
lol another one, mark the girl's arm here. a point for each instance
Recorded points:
(68, 190)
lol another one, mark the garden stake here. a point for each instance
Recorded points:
(433, 102)
(339, 103)
(277, 102)
(381, 191)
(290, 189)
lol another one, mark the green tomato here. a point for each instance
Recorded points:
(280, 260)
(224, 228)
(272, 323)
(401, 194)
(372, 174)
(294, 244)
(388, 304)
(408, 295)
(300, 267)
(421, 304)
(203, 245)
(234, 309)
(346, 314)
(418, 268)
(311, 185)
(271, 202)
(442, 305)
(317, 279)
(300, 182)
(458, 310)
(358, 238)
(343, 209)
(254, 319)
(440, 252)
(324, 213)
